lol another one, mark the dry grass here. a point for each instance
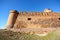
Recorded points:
(9, 35)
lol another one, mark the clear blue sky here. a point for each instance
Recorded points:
(25, 5)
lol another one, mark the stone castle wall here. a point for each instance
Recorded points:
(48, 18)
(30, 21)
(37, 20)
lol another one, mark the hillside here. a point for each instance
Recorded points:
(9, 35)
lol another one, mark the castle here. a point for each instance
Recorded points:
(45, 19)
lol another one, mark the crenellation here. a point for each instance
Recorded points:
(31, 14)
(38, 13)
(25, 13)
(45, 14)
(21, 13)
(31, 20)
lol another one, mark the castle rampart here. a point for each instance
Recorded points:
(48, 18)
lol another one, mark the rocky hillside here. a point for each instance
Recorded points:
(9, 35)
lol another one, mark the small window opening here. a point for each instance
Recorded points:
(59, 18)
(29, 18)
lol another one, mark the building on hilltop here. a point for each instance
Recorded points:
(48, 18)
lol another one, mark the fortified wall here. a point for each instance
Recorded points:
(44, 19)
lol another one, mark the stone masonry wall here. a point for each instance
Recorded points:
(37, 20)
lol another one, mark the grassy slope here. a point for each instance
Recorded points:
(9, 35)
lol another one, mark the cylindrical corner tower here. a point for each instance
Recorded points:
(11, 19)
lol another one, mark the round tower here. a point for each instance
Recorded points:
(11, 19)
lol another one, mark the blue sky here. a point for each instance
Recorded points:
(25, 5)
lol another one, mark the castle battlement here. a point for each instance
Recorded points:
(47, 18)
(39, 14)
